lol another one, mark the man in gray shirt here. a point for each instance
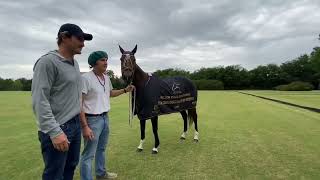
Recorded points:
(56, 93)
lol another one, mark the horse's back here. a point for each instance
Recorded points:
(179, 85)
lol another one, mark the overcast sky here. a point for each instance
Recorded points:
(185, 34)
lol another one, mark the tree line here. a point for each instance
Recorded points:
(305, 68)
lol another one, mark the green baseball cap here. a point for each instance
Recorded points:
(95, 56)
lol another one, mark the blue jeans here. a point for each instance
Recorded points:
(61, 165)
(95, 148)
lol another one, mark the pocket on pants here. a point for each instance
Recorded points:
(66, 128)
(92, 120)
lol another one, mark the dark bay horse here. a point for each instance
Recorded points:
(150, 101)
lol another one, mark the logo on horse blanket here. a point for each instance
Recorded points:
(164, 96)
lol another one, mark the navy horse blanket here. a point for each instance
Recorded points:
(165, 96)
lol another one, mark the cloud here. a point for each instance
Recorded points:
(170, 33)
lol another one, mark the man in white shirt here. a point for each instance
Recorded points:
(96, 92)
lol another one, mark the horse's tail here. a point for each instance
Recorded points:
(192, 113)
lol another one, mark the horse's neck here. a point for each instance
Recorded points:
(140, 77)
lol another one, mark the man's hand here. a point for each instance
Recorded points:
(129, 88)
(87, 133)
(61, 142)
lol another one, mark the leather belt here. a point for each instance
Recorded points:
(102, 114)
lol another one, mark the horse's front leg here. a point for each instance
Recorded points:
(154, 122)
(185, 125)
(142, 131)
(195, 120)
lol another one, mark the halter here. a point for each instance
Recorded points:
(128, 66)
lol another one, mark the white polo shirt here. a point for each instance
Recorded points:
(96, 99)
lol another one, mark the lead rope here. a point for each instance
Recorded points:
(132, 109)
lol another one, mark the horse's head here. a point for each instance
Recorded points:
(128, 64)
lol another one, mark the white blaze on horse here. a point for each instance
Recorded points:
(155, 96)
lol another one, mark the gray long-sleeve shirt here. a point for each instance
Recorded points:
(56, 92)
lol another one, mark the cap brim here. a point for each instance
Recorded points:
(87, 37)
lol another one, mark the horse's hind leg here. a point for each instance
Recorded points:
(185, 124)
(154, 122)
(142, 131)
(194, 116)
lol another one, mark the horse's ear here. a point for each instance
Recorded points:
(135, 49)
(121, 50)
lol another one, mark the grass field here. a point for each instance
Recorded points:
(241, 137)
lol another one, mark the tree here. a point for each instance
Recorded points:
(300, 69)
(6, 85)
(111, 74)
(214, 73)
(315, 64)
(117, 82)
(235, 77)
(17, 85)
(171, 72)
(26, 84)
(267, 77)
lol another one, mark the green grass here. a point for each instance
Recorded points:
(306, 98)
(241, 137)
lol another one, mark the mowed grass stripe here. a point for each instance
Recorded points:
(303, 98)
(283, 102)
(241, 137)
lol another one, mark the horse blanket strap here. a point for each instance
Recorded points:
(165, 96)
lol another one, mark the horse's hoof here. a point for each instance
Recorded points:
(182, 138)
(139, 150)
(196, 140)
(155, 151)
